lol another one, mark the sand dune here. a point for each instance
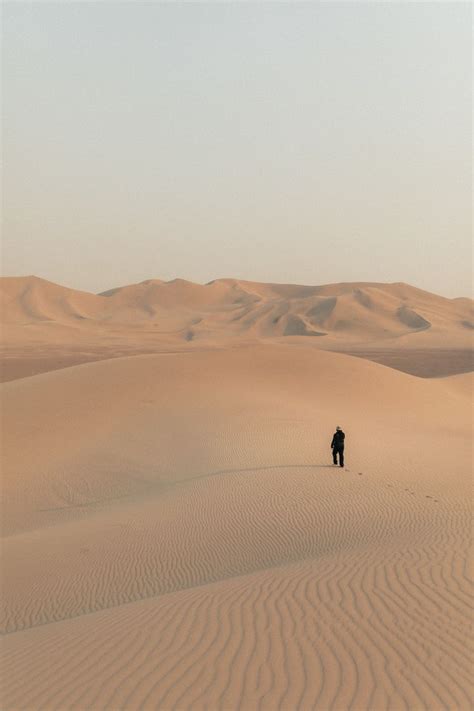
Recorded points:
(355, 310)
(141, 407)
(30, 299)
(46, 326)
(175, 537)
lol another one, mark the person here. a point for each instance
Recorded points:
(337, 446)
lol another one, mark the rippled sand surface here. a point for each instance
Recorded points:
(175, 536)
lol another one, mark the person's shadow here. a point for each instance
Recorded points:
(220, 472)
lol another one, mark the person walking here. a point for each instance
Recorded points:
(337, 446)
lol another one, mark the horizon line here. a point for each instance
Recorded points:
(233, 279)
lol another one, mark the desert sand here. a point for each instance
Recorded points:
(174, 535)
(46, 326)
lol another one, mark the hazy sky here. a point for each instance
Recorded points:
(306, 142)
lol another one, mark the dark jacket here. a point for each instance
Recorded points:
(338, 440)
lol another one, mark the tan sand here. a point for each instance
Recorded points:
(46, 326)
(176, 538)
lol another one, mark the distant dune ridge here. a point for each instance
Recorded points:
(355, 310)
(174, 535)
(377, 321)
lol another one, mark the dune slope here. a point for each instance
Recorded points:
(175, 536)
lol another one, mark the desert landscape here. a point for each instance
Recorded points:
(174, 533)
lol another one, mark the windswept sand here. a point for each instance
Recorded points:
(174, 536)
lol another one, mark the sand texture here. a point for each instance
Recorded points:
(174, 535)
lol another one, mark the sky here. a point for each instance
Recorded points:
(299, 142)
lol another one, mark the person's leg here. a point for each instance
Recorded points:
(341, 457)
(334, 455)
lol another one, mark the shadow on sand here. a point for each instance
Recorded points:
(260, 469)
(164, 485)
